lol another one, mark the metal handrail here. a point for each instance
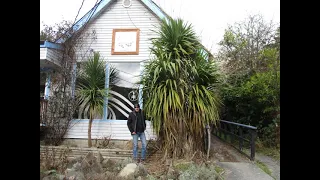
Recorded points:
(238, 124)
(223, 128)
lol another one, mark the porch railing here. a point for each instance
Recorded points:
(240, 136)
(43, 110)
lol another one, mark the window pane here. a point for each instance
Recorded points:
(124, 94)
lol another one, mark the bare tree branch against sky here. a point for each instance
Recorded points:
(209, 17)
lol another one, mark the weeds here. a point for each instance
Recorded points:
(53, 159)
(103, 143)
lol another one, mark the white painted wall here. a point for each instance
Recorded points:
(43, 53)
(102, 128)
(114, 17)
(54, 56)
(51, 55)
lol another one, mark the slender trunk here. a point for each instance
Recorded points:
(182, 137)
(208, 142)
(89, 129)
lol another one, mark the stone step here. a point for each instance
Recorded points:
(77, 152)
(83, 149)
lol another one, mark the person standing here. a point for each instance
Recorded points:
(137, 125)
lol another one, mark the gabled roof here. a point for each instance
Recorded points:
(103, 4)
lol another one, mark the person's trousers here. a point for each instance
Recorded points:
(135, 145)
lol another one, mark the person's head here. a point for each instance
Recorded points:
(137, 107)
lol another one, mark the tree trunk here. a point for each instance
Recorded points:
(89, 130)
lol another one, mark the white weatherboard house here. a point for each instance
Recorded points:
(122, 29)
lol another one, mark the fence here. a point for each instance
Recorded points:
(238, 135)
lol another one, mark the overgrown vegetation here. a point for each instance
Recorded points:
(103, 142)
(202, 172)
(250, 58)
(62, 105)
(58, 117)
(178, 89)
(53, 160)
(269, 151)
(54, 163)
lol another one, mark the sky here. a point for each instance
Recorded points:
(209, 17)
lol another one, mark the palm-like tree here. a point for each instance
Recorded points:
(91, 87)
(178, 88)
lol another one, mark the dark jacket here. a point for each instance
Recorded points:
(132, 121)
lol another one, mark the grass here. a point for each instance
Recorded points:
(264, 168)
(182, 166)
(219, 169)
(271, 152)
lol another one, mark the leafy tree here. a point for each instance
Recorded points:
(91, 86)
(178, 88)
(250, 51)
(242, 44)
(53, 33)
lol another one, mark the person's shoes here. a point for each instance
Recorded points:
(137, 161)
(142, 161)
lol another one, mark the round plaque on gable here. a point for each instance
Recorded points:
(126, 3)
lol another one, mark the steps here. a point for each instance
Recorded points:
(73, 152)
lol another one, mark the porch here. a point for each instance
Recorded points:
(50, 54)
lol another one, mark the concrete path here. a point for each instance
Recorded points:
(239, 167)
(273, 165)
(243, 171)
